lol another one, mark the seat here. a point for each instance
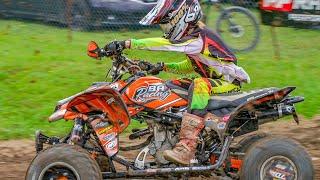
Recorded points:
(223, 104)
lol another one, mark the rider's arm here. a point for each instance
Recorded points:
(192, 46)
(180, 67)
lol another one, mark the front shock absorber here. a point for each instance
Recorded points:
(77, 130)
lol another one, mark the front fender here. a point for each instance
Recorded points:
(96, 99)
(106, 100)
(57, 115)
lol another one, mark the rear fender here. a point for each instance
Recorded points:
(274, 96)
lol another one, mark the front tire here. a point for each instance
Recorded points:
(277, 158)
(63, 161)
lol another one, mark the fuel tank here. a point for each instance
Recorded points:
(153, 93)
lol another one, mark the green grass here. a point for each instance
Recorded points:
(39, 66)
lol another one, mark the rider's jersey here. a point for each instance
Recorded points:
(206, 54)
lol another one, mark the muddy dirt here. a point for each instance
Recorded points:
(15, 155)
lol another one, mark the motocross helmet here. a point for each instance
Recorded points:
(175, 17)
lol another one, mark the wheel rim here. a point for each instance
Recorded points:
(278, 167)
(59, 171)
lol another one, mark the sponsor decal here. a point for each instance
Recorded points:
(111, 144)
(110, 136)
(105, 130)
(297, 12)
(101, 124)
(306, 4)
(152, 92)
(221, 125)
(304, 17)
(179, 15)
(277, 175)
(280, 5)
(226, 118)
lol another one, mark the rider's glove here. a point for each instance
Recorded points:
(155, 69)
(115, 47)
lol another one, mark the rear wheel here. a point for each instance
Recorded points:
(245, 143)
(277, 158)
(63, 162)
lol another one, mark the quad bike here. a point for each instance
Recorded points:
(103, 111)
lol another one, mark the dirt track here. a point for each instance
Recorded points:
(15, 155)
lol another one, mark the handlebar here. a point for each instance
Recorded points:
(119, 58)
(120, 64)
(103, 53)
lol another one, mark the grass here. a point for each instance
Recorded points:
(39, 66)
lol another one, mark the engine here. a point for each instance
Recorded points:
(165, 129)
(165, 138)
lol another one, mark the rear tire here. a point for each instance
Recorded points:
(64, 161)
(245, 143)
(277, 157)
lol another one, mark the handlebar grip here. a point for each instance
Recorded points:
(103, 53)
(144, 65)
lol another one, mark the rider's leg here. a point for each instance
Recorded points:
(184, 150)
(202, 89)
(220, 86)
(192, 124)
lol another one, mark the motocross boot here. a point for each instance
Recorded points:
(185, 149)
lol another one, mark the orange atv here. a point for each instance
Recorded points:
(103, 111)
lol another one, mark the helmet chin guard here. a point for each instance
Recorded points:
(174, 16)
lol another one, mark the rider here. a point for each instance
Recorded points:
(206, 54)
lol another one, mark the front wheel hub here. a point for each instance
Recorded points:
(59, 171)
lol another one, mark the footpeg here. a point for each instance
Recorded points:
(139, 133)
